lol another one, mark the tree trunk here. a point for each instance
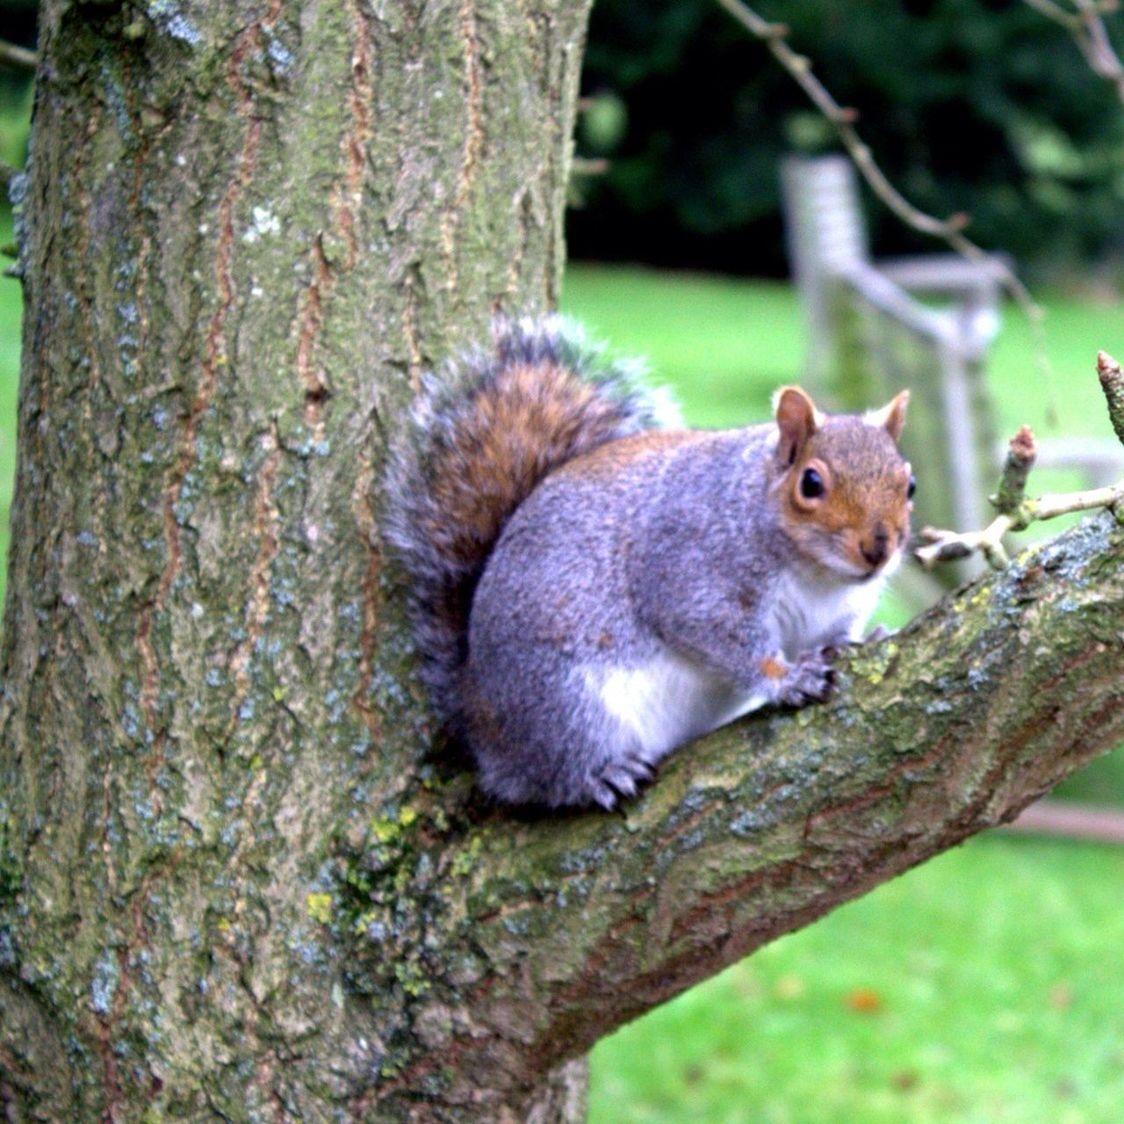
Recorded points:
(248, 227)
(234, 881)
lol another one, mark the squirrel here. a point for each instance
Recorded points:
(591, 587)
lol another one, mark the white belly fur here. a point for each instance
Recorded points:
(806, 612)
(671, 700)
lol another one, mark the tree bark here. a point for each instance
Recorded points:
(247, 229)
(235, 880)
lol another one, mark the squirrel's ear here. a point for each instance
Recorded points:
(797, 419)
(892, 416)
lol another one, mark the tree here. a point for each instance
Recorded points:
(235, 879)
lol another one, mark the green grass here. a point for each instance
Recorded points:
(995, 970)
(725, 344)
(983, 987)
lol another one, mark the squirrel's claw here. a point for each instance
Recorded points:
(620, 780)
(810, 679)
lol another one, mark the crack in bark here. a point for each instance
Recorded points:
(310, 322)
(346, 203)
(526, 214)
(363, 507)
(138, 939)
(214, 356)
(356, 141)
(155, 758)
(473, 141)
(410, 330)
(266, 519)
(111, 1080)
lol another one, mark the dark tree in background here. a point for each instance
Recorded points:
(973, 105)
(236, 879)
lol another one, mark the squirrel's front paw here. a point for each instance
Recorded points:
(809, 679)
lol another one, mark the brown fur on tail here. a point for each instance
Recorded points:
(480, 439)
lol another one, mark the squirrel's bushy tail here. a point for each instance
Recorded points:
(479, 439)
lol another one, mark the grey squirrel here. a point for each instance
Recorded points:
(590, 589)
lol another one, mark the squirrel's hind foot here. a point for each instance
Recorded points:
(620, 779)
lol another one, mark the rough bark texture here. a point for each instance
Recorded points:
(248, 226)
(233, 880)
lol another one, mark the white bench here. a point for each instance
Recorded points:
(869, 337)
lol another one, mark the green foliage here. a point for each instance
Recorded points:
(15, 121)
(969, 105)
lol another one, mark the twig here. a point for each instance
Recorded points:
(945, 546)
(1072, 821)
(1087, 28)
(842, 118)
(1071, 21)
(18, 58)
(1016, 513)
(1021, 453)
(1112, 383)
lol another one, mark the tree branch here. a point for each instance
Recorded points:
(1015, 511)
(18, 58)
(1087, 28)
(1112, 383)
(577, 924)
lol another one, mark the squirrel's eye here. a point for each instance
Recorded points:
(811, 484)
(911, 488)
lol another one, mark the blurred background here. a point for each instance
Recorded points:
(985, 986)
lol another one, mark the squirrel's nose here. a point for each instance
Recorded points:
(877, 549)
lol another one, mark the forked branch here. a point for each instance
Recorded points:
(1015, 511)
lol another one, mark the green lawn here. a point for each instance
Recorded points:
(725, 344)
(985, 986)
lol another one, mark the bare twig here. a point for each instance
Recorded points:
(1112, 383)
(18, 58)
(1070, 20)
(945, 546)
(1087, 28)
(842, 118)
(1016, 513)
(1071, 821)
(1021, 454)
